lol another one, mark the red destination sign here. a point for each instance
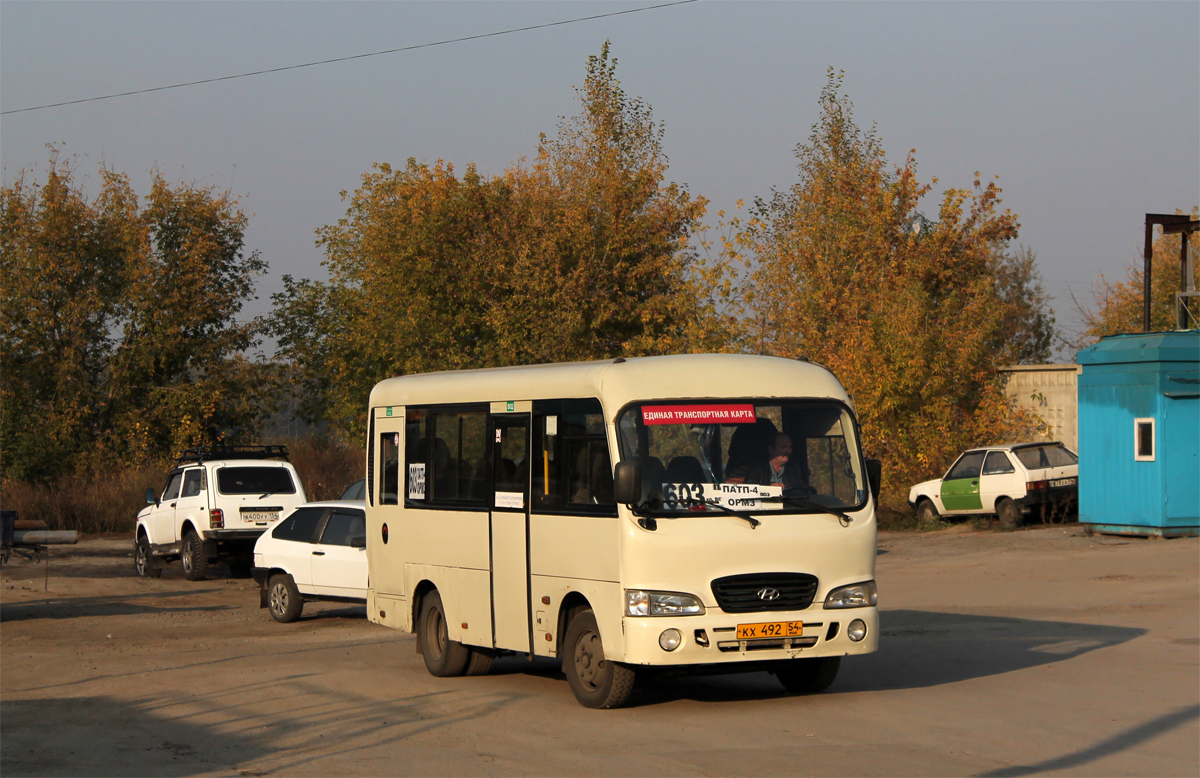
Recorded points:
(698, 414)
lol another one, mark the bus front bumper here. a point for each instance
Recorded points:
(713, 637)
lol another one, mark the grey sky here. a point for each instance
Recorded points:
(1088, 112)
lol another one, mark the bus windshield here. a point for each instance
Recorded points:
(777, 455)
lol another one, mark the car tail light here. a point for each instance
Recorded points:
(216, 519)
(1034, 486)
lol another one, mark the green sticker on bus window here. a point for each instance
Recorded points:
(510, 405)
(389, 410)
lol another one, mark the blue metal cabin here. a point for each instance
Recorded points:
(1139, 434)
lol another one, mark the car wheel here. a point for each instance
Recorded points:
(481, 661)
(143, 562)
(596, 682)
(808, 676)
(283, 598)
(191, 554)
(927, 514)
(444, 658)
(1010, 517)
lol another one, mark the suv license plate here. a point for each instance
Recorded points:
(770, 629)
(260, 516)
(1064, 482)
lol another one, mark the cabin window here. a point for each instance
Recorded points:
(1143, 440)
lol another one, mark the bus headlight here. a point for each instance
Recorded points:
(643, 603)
(860, 595)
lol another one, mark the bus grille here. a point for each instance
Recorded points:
(741, 593)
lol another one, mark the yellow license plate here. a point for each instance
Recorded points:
(770, 629)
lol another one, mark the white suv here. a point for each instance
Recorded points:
(215, 504)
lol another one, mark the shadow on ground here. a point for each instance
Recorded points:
(918, 649)
(275, 726)
(105, 605)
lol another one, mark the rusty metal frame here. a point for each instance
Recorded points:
(1172, 223)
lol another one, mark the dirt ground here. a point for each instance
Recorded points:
(1036, 652)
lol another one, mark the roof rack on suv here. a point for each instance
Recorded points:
(202, 453)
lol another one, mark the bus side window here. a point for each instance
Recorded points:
(572, 469)
(389, 468)
(456, 455)
(415, 463)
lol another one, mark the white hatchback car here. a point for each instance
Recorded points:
(317, 552)
(1010, 481)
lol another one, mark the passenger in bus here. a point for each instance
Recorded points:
(593, 478)
(445, 471)
(779, 469)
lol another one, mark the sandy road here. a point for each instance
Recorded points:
(1042, 651)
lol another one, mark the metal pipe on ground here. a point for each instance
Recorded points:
(43, 537)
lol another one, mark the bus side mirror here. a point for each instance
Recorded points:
(874, 476)
(150, 496)
(627, 483)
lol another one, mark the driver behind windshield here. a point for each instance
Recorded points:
(779, 469)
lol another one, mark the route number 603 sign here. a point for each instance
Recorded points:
(736, 496)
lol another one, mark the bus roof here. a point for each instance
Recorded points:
(618, 382)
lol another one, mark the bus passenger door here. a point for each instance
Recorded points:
(509, 531)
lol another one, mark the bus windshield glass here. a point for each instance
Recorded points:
(796, 456)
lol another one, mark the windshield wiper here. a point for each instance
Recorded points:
(658, 512)
(806, 501)
(740, 514)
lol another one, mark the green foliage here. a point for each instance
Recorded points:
(120, 342)
(1027, 325)
(914, 323)
(582, 254)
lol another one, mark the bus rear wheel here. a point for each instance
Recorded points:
(444, 658)
(595, 681)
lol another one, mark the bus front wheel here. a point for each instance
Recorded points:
(444, 658)
(808, 676)
(595, 681)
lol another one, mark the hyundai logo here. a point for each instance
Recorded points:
(767, 594)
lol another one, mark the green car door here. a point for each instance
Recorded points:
(960, 487)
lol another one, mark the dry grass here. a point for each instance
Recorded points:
(325, 466)
(88, 506)
(111, 504)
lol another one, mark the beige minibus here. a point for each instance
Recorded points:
(693, 513)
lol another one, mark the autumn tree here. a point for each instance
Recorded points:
(63, 265)
(583, 253)
(120, 342)
(1120, 305)
(913, 316)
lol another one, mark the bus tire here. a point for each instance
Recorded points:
(808, 676)
(595, 681)
(444, 658)
(481, 661)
